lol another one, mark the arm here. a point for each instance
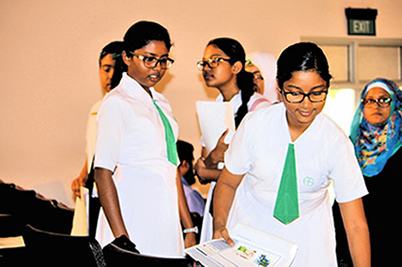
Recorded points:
(357, 232)
(185, 216)
(218, 153)
(109, 201)
(224, 194)
(206, 166)
(80, 180)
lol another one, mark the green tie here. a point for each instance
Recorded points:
(169, 135)
(287, 202)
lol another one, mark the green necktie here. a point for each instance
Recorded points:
(287, 202)
(169, 135)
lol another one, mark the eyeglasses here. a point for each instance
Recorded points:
(381, 102)
(211, 62)
(152, 62)
(257, 76)
(298, 97)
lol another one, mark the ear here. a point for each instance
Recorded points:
(279, 91)
(126, 59)
(184, 167)
(236, 67)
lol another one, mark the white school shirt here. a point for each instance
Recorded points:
(256, 101)
(131, 142)
(323, 153)
(91, 133)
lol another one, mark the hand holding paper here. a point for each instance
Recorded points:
(215, 118)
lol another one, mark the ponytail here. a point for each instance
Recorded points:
(245, 80)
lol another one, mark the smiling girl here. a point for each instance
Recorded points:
(293, 142)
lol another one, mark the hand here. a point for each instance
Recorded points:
(218, 153)
(198, 168)
(190, 240)
(77, 183)
(223, 232)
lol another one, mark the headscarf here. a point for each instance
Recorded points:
(375, 144)
(266, 63)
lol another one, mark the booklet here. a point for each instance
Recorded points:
(252, 248)
(214, 118)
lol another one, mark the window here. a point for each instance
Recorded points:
(353, 62)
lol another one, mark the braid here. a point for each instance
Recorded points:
(245, 81)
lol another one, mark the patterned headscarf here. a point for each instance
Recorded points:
(375, 144)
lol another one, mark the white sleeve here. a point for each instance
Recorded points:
(111, 130)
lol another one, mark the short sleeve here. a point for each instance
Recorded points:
(238, 155)
(347, 177)
(111, 130)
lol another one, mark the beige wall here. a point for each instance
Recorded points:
(49, 72)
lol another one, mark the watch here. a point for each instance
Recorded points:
(189, 230)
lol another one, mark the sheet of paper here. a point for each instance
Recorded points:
(12, 242)
(214, 118)
(80, 219)
(252, 248)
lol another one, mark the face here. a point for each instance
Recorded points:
(258, 79)
(106, 71)
(146, 77)
(302, 114)
(373, 113)
(221, 75)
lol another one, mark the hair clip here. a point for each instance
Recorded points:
(115, 56)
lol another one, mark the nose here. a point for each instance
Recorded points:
(306, 102)
(111, 72)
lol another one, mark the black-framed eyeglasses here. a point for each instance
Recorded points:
(211, 62)
(383, 102)
(151, 62)
(298, 97)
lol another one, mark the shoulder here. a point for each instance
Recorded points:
(264, 117)
(162, 100)
(257, 101)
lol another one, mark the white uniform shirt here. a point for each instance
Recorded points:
(91, 133)
(131, 142)
(256, 101)
(323, 154)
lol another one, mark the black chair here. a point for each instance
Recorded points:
(116, 256)
(51, 249)
(19, 207)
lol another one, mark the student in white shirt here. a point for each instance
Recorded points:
(223, 67)
(136, 178)
(247, 189)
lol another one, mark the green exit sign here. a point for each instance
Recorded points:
(361, 27)
(361, 21)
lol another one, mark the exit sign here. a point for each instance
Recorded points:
(361, 21)
(361, 27)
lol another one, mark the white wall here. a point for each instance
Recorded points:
(49, 73)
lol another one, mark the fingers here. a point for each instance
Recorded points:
(223, 136)
(224, 233)
(76, 187)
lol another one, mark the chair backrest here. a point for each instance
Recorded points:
(52, 249)
(20, 207)
(118, 257)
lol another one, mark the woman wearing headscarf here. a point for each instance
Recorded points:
(263, 66)
(377, 138)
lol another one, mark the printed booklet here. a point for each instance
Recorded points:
(252, 248)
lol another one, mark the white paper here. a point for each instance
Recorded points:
(214, 118)
(252, 248)
(12, 242)
(80, 219)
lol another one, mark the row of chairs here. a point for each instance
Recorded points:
(44, 248)
(45, 227)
